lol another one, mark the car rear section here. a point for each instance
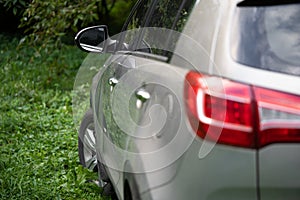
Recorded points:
(262, 42)
(243, 105)
(276, 57)
(192, 165)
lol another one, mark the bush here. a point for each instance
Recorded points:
(16, 6)
(11, 12)
(56, 20)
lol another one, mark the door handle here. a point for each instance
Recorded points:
(142, 94)
(113, 81)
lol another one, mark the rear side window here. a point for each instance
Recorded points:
(169, 14)
(267, 37)
(165, 15)
(137, 20)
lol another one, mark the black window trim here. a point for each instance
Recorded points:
(250, 3)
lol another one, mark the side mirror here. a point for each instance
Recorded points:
(93, 39)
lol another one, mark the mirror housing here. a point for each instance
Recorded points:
(93, 39)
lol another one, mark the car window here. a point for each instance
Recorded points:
(267, 37)
(136, 21)
(167, 14)
(164, 13)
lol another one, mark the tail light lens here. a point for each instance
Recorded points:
(240, 115)
(279, 115)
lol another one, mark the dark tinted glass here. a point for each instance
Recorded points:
(170, 15)
(166, 14)
(137, 20)
(268, 37)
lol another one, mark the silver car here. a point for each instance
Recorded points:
(199, 99)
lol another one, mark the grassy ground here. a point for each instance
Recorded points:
(38, 140)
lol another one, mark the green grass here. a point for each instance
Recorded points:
(38, 139)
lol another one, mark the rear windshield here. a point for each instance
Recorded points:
(268, 37)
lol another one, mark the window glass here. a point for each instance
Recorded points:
(170, 15)
(166, 14)
(135, 23)
(267, 37)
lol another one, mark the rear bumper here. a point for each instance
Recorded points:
(225, 173)
(279, 169)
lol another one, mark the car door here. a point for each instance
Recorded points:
(135, 86)
(111, 91)
(128, 86)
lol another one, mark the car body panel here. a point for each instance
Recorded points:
(146, 74)
(279, 167)
(225, 173)
(195, 47)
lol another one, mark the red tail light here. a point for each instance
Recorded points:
(279, 115)
(240, 115)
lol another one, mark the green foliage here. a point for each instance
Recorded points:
(16, 6)
(53, 20)
(38, 141)
(119, 14)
